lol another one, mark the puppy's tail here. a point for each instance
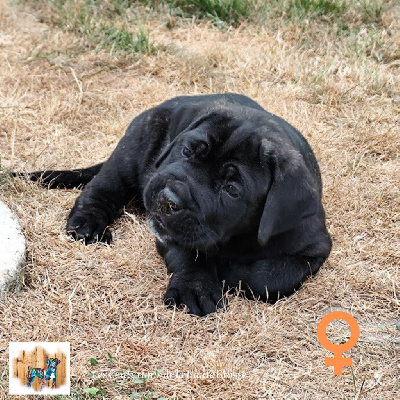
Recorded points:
(64, 179)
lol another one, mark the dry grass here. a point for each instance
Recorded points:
(65, 103)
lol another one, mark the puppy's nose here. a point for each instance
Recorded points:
(169, 202)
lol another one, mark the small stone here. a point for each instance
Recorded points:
(12, 250)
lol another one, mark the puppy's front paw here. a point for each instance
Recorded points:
(201, 295)
(89, 229)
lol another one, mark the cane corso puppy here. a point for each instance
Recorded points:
(231, 192)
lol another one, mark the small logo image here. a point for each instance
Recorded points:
(39, 368)
(338, 361)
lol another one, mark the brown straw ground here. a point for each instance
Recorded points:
(66, 104)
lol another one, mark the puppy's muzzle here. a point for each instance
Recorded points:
(169, 201)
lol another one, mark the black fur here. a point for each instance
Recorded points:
(231, 192)
(75, 178)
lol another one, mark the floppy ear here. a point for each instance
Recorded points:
(293, 193)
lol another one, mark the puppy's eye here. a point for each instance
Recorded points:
(187, 152)
(231, 190)
(201, 148)
(197, 149)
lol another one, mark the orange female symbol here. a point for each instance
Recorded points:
(338, 361)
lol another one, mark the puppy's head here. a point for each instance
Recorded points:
(221, 178)
(53, 362)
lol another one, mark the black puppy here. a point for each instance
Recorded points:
(231, 192)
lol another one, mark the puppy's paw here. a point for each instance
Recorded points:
(201, 296)
(88, 229)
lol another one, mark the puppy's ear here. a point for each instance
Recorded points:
(293, 193)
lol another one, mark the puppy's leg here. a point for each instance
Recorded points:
(120, 179)
(43, 383)
(194, 282)
(97, 206)
(270, 279)
(29, 379)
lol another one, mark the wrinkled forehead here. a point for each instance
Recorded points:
(230, 140)
(238, 145)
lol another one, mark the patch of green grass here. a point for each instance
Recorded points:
(301, 9)
(93, 391)
(298, 10)
(122, 39)
(112, 23)
(119, 25)
(89, 17)
(345, 13)
(229, 11)
(104, 24)
(371, 10)
(93, 361)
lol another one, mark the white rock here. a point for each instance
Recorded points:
(12, 249)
